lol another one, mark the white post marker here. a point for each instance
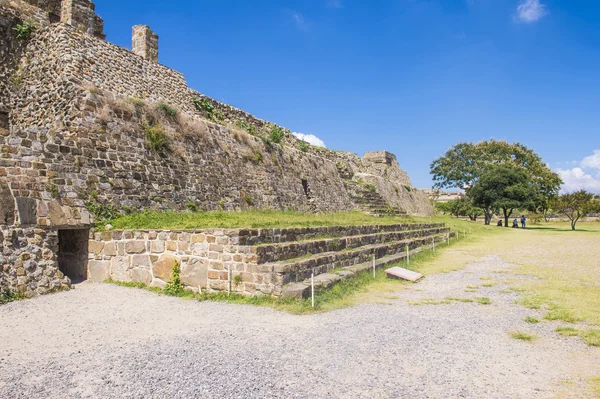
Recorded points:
(229, 280)
(433, 244)
(312, 288)
(407, 256)
(448, 238)
(373, 265)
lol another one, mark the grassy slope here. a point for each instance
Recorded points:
(253, 219)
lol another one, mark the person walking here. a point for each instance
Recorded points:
(523, 221)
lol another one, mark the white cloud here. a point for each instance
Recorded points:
(310, 139)
(585, 176)
(592, 162)
(530, 11)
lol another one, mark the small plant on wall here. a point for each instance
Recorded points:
(276, 134)
(24, 30)
(175, 287)
(208, 109)
(157, 139)
(166, 109)
(304, 146)
(237, 280)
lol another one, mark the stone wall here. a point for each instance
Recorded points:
(207, 256)
(74, 118)
(28, 261)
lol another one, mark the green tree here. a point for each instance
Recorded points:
(459, 207)
(463, 165)
(504, 187)
(576, 205)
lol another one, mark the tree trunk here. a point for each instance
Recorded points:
(506, 216)
(488, 216)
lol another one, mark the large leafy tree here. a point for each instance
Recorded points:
(576, 205)
(463, 165)
(504, 187)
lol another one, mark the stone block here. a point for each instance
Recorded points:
(119, 268)
(141, 261)
(157, 247)
(27, 210)
(135, 247)
(56, 214)
(110, 248)
(98, 270)
(194, 273)
(163, 267)
(198, 238)
(7, 205)
(158, 283)
(140, 275)
(95, 247)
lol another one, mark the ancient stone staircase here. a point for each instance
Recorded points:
(371, 202)
(334, 253)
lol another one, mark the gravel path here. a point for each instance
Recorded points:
(104, 341)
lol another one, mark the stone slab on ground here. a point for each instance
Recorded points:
(404, 274)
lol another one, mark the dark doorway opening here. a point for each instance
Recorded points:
(305, 187)
(73, 253)
(4, 124)
(54, 18)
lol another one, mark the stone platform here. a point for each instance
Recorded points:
(254, 261)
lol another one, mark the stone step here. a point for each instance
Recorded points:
(288, 251)
(300, 270)
(301, 290)
(266, 236)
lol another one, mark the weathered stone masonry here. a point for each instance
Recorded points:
(68, 130)
(261, 261)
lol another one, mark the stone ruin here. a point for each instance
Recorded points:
(76, 117)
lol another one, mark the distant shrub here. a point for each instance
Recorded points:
(258, 157)
(157, 139)
(276, 134)
(304, 146)
(24, 30)
(371, 187)
(167, 109)
(408, 188)
(248, 199)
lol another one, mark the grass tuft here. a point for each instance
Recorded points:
(483, 300)
(523, 336)
(531, 320)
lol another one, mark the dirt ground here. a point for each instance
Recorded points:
(449, 336)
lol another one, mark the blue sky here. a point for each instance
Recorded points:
(410, 76)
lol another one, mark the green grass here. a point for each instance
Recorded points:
(338, 296)
(7, 296)
(523, 336)
(247, 219)
(591, 336)
(567, 331)
(483, 300)
(531, 320)
(429, 301)
(454, 299)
